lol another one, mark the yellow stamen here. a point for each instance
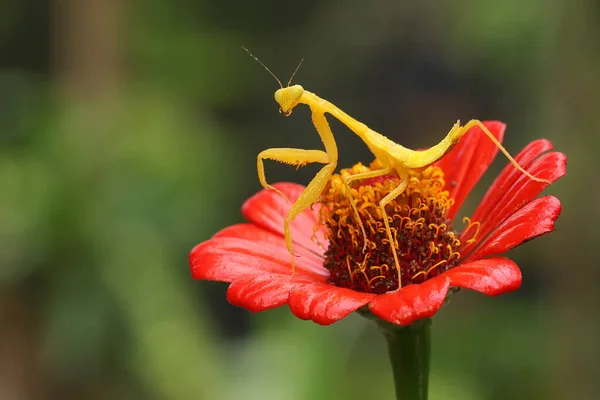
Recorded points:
(419, 229)
(470, 225)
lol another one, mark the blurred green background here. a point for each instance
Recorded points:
(128, 134)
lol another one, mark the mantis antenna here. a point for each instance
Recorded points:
(268, 70)
(296, 70)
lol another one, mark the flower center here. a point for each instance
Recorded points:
(424, 239)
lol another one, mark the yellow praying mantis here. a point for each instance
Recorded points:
(391, 155)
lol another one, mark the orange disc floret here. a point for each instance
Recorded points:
(424, 239)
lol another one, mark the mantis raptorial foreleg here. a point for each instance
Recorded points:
(302, 157)
(310, 194)
(364, 175)
(298, 157)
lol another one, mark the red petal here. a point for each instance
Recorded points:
(413, 302)
(550, 166)
(268, 209)
(227, 259)
(253, 233)
(491, 276)
(535, 219)
(262, 292)
(467, 162)
(509, 175)
(325, 304)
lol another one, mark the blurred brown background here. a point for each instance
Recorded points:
(129, 131)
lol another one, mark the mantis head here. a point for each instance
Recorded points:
(288, 98)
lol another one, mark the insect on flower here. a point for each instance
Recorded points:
(336, 278)
(391, 157)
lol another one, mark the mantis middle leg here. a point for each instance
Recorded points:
(365, 175)
(384, 202)
(485, 130)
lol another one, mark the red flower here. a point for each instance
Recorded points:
(253, 256)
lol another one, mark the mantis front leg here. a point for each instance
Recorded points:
(298, 157)
(302, 157)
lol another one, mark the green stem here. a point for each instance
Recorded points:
(410, 349)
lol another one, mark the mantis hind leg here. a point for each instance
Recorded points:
(313, 191)
(384, 202)
(365, 175)
(485, 130)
